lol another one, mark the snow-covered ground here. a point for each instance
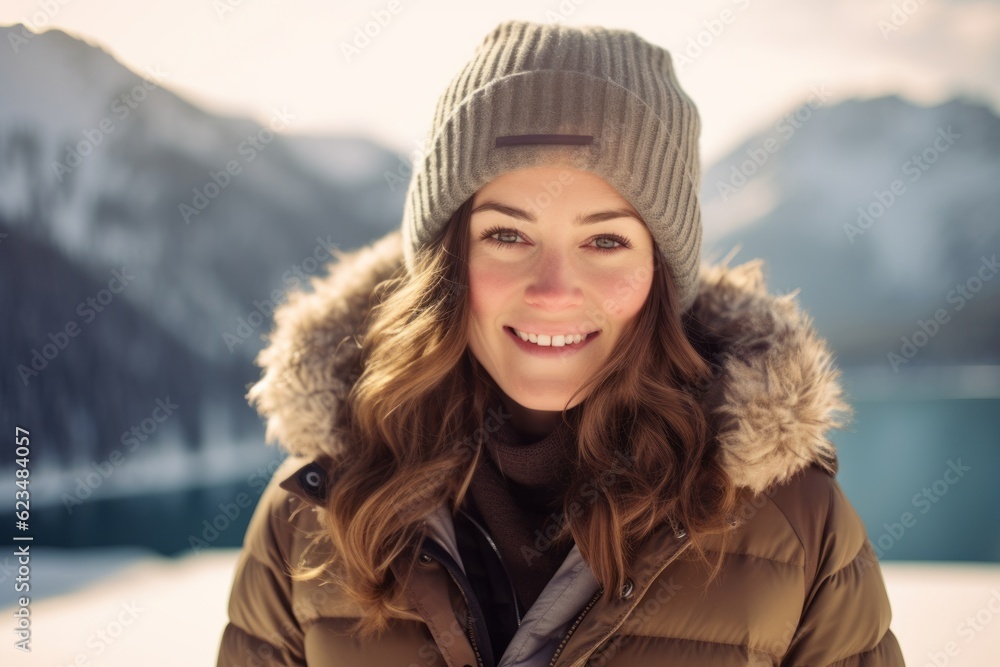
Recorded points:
(122, 607)
(131, 609)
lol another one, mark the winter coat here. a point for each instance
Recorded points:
(800, 583)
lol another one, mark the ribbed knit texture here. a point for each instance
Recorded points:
(534, 78)
(516, 488)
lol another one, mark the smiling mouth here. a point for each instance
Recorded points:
(544, 342)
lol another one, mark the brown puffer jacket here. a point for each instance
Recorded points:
(801, 584)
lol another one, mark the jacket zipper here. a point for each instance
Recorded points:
(469, 618)
(513, 593)
(573, 627)
(472, 634)
(594, 600)
(469, 621)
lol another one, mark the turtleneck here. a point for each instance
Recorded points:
(516, 488)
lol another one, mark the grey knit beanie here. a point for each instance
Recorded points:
(596, 99)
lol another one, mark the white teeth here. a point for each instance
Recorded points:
(544, 340)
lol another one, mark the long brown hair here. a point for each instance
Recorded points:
(415, 421)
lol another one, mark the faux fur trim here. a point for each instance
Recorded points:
(771, 401)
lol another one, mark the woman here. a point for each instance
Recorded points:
(530, 429)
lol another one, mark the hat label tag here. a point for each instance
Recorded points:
(524, 139)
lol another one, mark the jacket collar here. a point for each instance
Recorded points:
(773, 397)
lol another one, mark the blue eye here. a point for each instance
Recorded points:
(623, 243)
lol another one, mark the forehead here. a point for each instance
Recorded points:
(561, 187)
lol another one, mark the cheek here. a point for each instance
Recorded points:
(488, 287)
(624, 289)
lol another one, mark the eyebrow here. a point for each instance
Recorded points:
(589, 219)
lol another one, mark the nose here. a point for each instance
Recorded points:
(555, 285)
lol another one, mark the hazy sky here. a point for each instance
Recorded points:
(246, 57)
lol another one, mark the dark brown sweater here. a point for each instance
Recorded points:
(517, 489)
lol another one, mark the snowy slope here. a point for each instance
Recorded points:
(177, 609)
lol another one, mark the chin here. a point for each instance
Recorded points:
(531, 401)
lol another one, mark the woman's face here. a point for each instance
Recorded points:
(535, 267)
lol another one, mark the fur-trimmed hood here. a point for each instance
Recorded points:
(773, 398)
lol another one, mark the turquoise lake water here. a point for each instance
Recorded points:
(922, 471)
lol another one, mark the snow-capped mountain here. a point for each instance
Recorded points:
(884, 213)
(205, 221)
(105, 170)
(114, 169)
